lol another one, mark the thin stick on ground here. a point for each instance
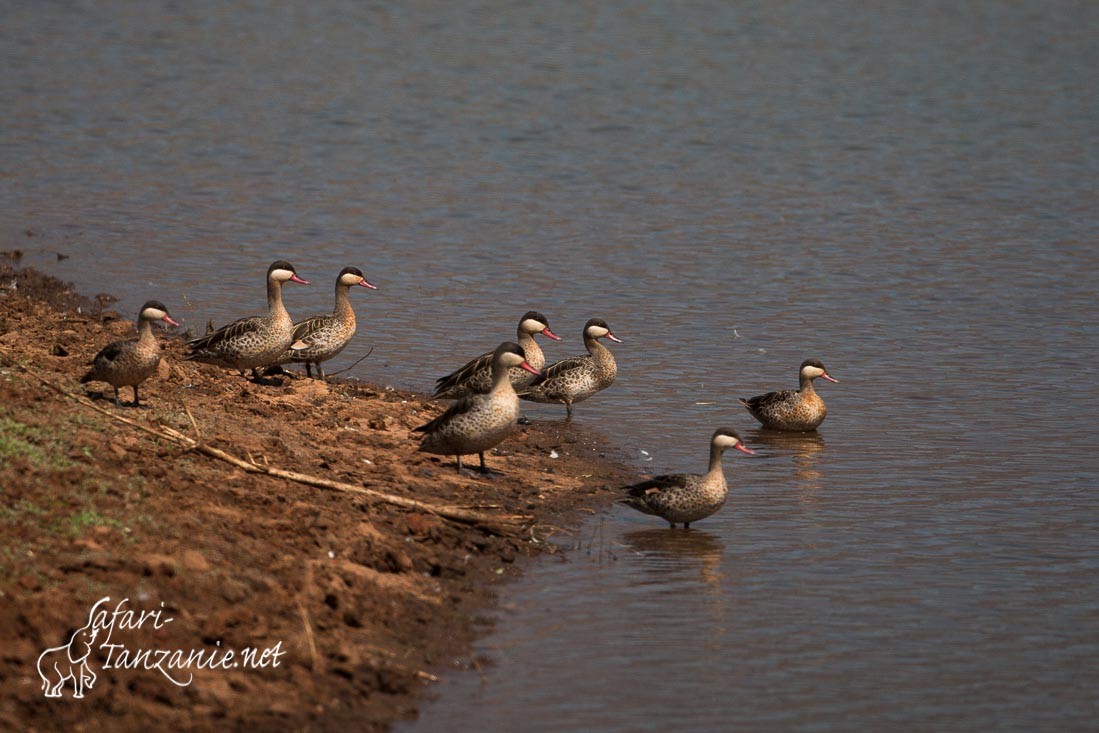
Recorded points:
(357, 362)
(314, 664)
(198, 433)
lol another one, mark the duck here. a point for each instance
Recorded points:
(320, 338)
(479, 421)
(254, 341)
(476, 375)
(799, 410)
(688, 497)
(129, 363)
(577, 378)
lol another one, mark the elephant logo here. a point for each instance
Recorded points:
(60, 664)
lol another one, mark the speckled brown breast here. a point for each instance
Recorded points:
(680, 497)
(575, 380)
(126, 363)
(324, 336)
(788, 410)
(248, 343)
(476, 424)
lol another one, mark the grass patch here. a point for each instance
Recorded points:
(80, 521)
(38, 447)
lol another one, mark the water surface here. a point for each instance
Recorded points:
(907, 193)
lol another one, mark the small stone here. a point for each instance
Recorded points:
(397, 561)
(421, 523)
(234, 592)
(29, 582)
(194, 560)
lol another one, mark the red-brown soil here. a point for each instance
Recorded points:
(369, 600)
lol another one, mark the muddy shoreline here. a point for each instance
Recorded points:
(365, 591)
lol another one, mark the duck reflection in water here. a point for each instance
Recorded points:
(679, 550)
(805, 450)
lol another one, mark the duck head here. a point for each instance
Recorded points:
(597, 328)
(352, 276)
(280, 271)
(154, 310)
(812, 368)
(534, 322)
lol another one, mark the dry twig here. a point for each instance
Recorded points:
(314, 665)
(357, 362)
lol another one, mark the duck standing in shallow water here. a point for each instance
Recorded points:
(688, 497)
(793, 409)
(129, 363)
(255, 341)
(320, 338)
(479, 421)
(579, 377)
(476, 376)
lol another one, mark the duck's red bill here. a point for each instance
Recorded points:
(745, 449)
(829, 378)
(530, 369)
(366, 284)
(169, 320)
(550, 334)
(613, 338)
(296, 279)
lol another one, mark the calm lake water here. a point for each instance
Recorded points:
(906, 192)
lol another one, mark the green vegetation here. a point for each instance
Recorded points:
(76, 523)
(36, 446)
(42, 512)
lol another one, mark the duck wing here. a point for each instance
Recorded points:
(111, 351)
(462, 375)
(763, 401)
(657, 485)
(458, 407)
(103, 359)
(233, 330)
(559, 368)
(309, 330)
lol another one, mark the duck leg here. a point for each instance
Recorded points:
(117, 402)
(320, 371)
(309, 370)
(137, 403)
(568, 410)
(459, 457)
(484, 468)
